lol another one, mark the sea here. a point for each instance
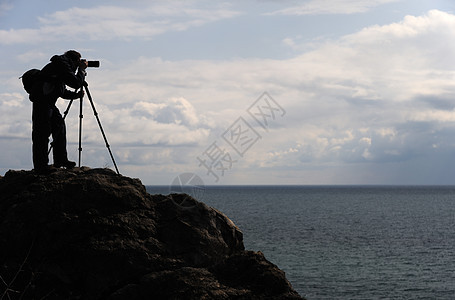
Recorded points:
(348, 242)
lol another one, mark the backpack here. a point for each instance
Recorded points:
(30, 80)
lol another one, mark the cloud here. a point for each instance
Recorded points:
(352, 100)
(5, 6)
(170, 123)
(32, 56)
(395, 62)
(331, 7)
(377, 96)
(177, 111)
(15, 116)
(103, 23)
(372, 100)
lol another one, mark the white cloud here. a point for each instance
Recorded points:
(15, 116)
(170, 123)
(349, 100)
(361, 97)
(381, 62)
(323, 7)
(32, 56)
(178, 111)
(104, 23)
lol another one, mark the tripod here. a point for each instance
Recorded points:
(80, 125)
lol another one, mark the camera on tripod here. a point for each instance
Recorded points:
(92, 63)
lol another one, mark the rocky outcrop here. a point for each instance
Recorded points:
(92, 234)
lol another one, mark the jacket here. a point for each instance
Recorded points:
(56, 75)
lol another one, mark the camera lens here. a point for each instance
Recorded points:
(93, 63)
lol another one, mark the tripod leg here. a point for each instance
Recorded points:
(64, 116)
(101, 127)
(80, 130)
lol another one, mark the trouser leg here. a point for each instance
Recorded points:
(41, 130)
(58, 129)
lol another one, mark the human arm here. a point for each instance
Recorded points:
(67, 75)
(69, 95)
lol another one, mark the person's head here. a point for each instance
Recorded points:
(74, 57)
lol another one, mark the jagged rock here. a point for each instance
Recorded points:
(93, 234)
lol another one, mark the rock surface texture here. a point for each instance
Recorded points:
(92, 234)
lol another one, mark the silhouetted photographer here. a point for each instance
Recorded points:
(44, 88)
(46, 117)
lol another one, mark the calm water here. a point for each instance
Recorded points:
(349, 242)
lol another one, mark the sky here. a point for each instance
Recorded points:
(312, 92)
